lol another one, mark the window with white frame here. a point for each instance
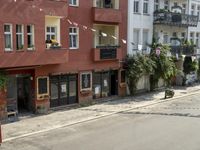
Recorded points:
(174, 34)
(8, 37)
(73, 2)
(86, 81)
(136, 37)
(192, 9)
(145, 39)
(73, 38)
(19, 37)
(192, 37)
(136, 6)
(156, 5)
(198, 11)
(183, 36)
(30, 37)
(184, 8)
(42, 87)
(165, 38)
(166, 4)
(146, 7)
(51, 33)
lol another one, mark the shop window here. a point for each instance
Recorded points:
(43, 87)
(86, 79)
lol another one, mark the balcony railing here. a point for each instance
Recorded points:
(183, 50)
(107, 53)
(106, 15)
(175, 19)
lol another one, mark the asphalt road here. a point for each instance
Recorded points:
(172, 125)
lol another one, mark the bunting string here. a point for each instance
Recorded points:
(84, 27)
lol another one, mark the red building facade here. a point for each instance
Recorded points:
(59, 53)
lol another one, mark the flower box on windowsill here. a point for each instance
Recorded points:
(55, 47)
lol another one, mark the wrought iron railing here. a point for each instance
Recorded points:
(183, 50)
(175, 19)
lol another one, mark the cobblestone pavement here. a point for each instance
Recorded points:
(62, 118)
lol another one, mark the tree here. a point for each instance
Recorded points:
(165, 66)
(137, 66)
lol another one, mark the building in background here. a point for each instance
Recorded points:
(172, 22)
(58, 53)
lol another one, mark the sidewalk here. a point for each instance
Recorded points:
(62, 118)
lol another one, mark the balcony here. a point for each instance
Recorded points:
(102, 53)
(33, 58)
(175, 19)
(106, 15)
(183, 50)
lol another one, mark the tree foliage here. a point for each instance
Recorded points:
(165, 65)
(161, 66)
(137, 66)
(3, 79)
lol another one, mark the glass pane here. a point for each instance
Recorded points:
(7, 41)
(97, 85)
(74, 41)
(42, 86)
(6, 28)
(86, 78)
(19, 28)
(19, 42)
(63, 90)
(72, 88)
(54, 91)
(53, 29)
(105, 88)
(48, 37)
(70, 30)
(70, 41)
(48, 29)
(29, 39)
(29, 29)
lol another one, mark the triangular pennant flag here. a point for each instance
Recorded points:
(85, 28)
(69, 21)
(114, 37)
(124, 41)
(93, 30)
(75, 24)
(104, 34)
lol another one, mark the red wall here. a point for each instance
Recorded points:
(82, 59)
